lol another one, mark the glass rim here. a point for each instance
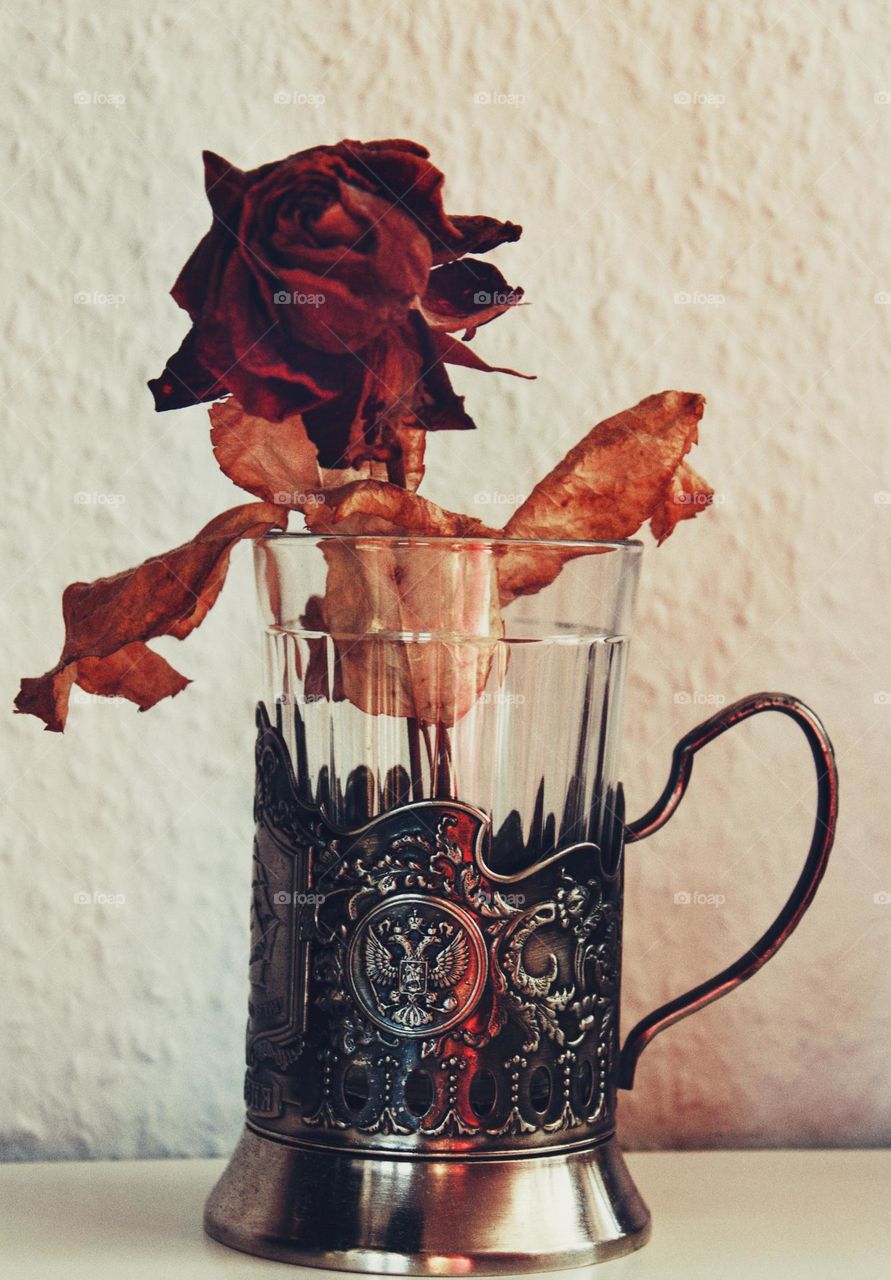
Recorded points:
(470, 540)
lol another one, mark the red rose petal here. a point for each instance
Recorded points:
(452, 351)
(467, 294)
(477, 233)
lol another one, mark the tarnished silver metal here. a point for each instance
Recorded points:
(407, 998)
(433, 1046)
(397, 1216)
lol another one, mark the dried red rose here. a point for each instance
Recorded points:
(317, 287)
(325, 301)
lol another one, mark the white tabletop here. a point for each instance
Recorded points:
(720, 1215)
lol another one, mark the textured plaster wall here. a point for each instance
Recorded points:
(735, 153)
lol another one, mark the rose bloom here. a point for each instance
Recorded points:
(327, 286)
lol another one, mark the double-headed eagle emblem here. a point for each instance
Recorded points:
(412, 967)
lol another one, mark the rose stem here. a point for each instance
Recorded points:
(414, 757)
(396, 471)
(443, 786)
(396, 476)
(428, 750)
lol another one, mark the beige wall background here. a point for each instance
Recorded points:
(706, 192)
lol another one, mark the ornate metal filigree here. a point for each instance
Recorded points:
(394, 975)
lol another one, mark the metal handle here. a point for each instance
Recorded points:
(806, 885)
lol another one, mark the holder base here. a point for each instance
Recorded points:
(396, 1215)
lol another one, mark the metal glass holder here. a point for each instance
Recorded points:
(433, 1046)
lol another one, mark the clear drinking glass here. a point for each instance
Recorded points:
(433, 1051)
(514, 709)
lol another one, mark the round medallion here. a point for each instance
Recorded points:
(417, 965)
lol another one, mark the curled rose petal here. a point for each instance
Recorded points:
(438, 407)
(378, 596)
(451, 351)
(338, 302)
(134, 672)
(369, 506)
(467, 294)
(400, 384)
(47, 696)
(186, 380)
(393, 650)
(275, 460)
(686, 495)
(108, 621)
(477, 233)
(401, 169)
(614, 479)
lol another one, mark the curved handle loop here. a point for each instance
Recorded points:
(806, 885)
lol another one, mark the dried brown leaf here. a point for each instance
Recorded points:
(274, 460)
(135, 672)
(687, 494)
(605, 488)
(108, 621)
